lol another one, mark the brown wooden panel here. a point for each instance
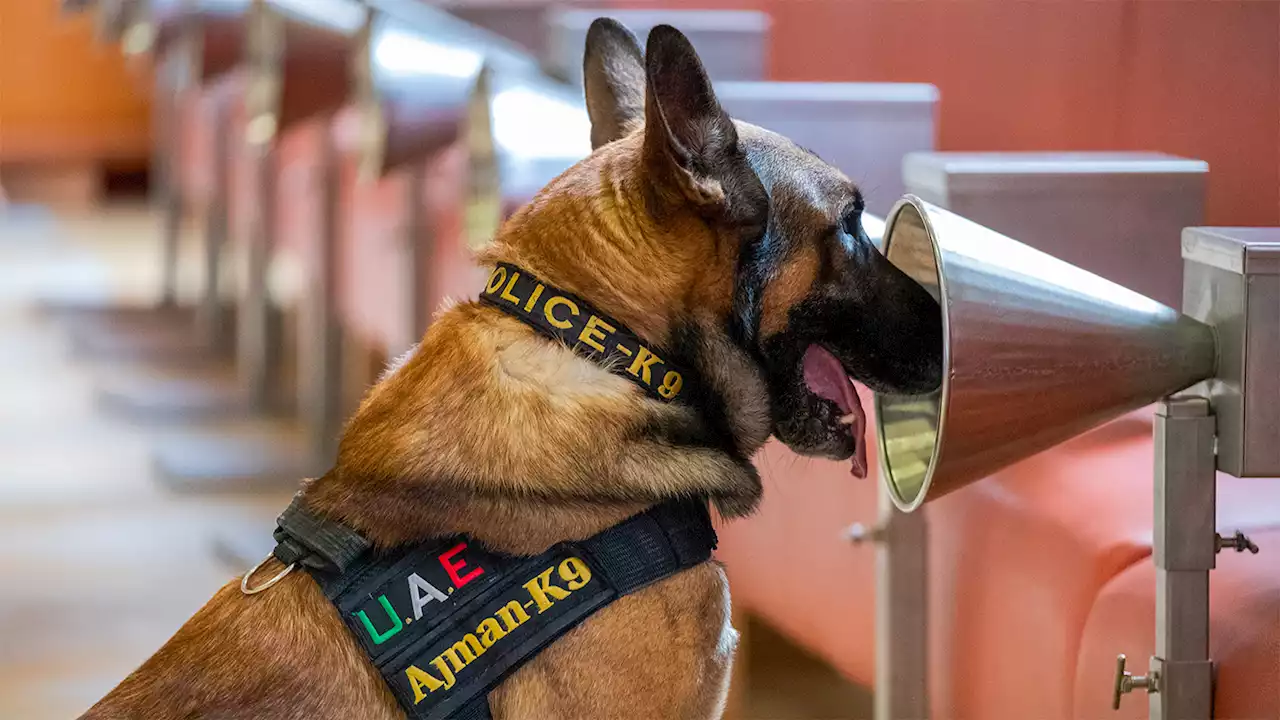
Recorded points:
(63, 96)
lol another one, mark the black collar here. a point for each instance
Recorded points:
(568, 318)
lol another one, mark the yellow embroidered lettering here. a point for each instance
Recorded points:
(543, 592)
(464, 652)
(575, 573)
(445, 672)
(490, 632)
(496, 279)
(512, 615)
(640, 366)
(549, 310)
(592, 331)
(418, 679)
(537, 293)
(506, 291)
(671, 385)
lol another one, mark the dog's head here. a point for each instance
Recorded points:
(709, 222)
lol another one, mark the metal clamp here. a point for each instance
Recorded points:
(1127, 682)
(1238, 542)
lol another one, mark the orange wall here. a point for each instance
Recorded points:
(1192, 77)
(62, 94)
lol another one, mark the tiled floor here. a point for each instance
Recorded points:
(98, 563)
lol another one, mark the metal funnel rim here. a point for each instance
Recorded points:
(911, 203)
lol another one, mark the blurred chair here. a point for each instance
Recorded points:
(96, 326)
(296, 80)
(406, 176)
(204, 41)
(433, 152)
(194, 50)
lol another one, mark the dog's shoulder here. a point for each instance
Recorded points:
(279, 655)
(663, 652)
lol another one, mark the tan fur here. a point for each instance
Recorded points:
(792, 284)
(489, 429)
(283, 655)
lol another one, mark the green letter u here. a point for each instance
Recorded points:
(379, 638)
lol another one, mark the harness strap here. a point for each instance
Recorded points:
(314, 542)
(445, 621)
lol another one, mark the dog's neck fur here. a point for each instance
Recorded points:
(577, 448)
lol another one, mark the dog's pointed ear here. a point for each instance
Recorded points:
(688, 136)
(613, 79)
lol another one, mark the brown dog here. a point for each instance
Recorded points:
(739, 253)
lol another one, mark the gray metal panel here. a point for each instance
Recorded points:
(1118, 215)
(524, 22)
(1248, 251)
(415, 74)
(865, 129)
(1233, 283)
(1046, 171)
(733, 44)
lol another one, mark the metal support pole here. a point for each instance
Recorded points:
(902, 647)
(211, 318)
(417, 245)
(1184, 553)
(321, 374)
(165, 164)
(1179, 682)
(901, 615)
(258, 346)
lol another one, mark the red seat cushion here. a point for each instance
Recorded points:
(1244, 639)
(1017, 562)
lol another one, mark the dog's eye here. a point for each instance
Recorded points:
(851, 224)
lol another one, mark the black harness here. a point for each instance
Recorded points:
(445, 621)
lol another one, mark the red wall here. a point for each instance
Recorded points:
(1199, 78)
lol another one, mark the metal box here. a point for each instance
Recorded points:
(865, 129)
(1233, 284)
(733, 44)
(524, 22)
(1118, 215)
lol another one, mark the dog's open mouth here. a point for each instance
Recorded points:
(827, 378)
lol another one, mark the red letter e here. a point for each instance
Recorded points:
(453, 567)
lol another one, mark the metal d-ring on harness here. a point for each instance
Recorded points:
(244, 581)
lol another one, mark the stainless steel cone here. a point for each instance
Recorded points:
(1036, 352)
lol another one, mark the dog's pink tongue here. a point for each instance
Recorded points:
(826, 378)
